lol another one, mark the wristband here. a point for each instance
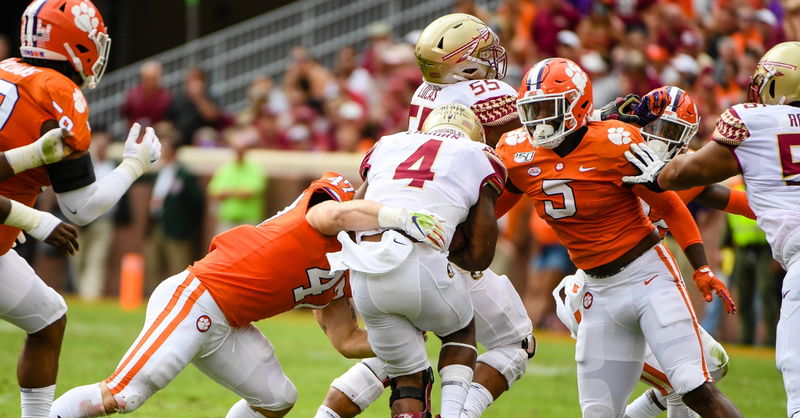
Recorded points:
(24, 158)
(36, 223)
(391, 217)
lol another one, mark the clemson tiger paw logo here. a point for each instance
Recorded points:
(85, 18)
(79, 101)
(577, 75)
(619, 136)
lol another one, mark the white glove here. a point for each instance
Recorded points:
(650, 165)
(146, 152)
(421, 225)
(48, 149)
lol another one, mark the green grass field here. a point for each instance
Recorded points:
(98, 335)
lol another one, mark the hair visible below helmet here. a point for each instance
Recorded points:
(67, 30)
(456, 119)
(670, 134)
(555, 98)
(458, 47)
(776, 79)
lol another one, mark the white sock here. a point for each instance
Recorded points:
(80, 402)
(36, 402)
(456, 379)
(478, 399)
(325, 412)
(645, 405)
(242, 410)
(677, 409)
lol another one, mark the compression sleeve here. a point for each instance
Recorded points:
(674, 212)
(737, 204)
(505, 202)
(87, 203)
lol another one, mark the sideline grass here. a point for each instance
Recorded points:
(99, 334)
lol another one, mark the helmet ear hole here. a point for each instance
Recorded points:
(82, 48)
(772, 88)
(440, 45)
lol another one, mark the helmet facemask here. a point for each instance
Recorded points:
(494, 58)
(102, 42)
(669, 136)
(548, 118)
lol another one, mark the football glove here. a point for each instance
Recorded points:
(641, 111)
(144, 153)
(420, 225)
(621, 109)
(708, 283)
(648, 163)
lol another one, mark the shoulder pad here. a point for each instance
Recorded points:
(731, 129)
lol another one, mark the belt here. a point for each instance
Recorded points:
(611, 268)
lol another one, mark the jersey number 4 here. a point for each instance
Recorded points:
(319, 281)
(417, 167)
(789, 150)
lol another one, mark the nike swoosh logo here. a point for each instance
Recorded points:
(401, 243)
(583, 169)
(647, 282)
(74, 212)
(785, 293)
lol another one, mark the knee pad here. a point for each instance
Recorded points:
(598, 411)
(421, 394)
(510, 361)
(361, 383)
(282, 395)
(716, 360)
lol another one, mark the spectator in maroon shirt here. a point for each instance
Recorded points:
(148, 102)
(552, 17)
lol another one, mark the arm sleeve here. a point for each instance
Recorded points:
(87, 203)
(737, 204)
(496, 111)
(674, 212)
(505, 202)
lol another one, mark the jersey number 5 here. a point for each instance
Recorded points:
(417, 167)
(9, 96)
(559, 188)
(789, 150)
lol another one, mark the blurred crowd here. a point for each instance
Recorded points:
(707, 47)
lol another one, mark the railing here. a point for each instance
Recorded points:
(260, 46)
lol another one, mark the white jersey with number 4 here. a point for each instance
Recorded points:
(766, 142)
(438, 172)
(493, 101)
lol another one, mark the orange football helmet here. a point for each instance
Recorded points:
(670, 134)
(67, 30)
(555, 98)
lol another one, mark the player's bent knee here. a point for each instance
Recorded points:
(598, 411)
(511, 362)
(361, 384)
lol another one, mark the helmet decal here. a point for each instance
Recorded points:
(484, 34)
(85, 18)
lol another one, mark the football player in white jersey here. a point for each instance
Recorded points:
(761, 141)
(462, 62)
(459, 57)
(401, 288)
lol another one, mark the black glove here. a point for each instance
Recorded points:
(621, 109)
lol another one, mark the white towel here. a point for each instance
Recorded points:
(572, 302)
(371, 257)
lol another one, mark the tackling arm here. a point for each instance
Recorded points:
(711, 164)
(481, 234)
(338, 322)
(720, 197)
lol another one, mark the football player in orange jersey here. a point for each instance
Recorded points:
(64, 46)
(204, 314)
(669, 135)
(633, 293)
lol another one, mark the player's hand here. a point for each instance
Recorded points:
(64, 237)
(708, 283)
(651, 107)
(649, 165)
(621, 109)
(147, 151)
(51, 146)
(425, 227)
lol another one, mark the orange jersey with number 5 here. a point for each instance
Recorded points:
(259, 271)
(581, 195)
(30, 96)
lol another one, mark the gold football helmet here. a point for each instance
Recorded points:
(459, 47)
(776, 79)
(455, 118)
